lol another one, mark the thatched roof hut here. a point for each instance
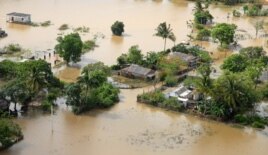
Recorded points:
(136, 71)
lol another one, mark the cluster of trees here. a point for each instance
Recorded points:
(235, 92)
(92, 89)
(26, 79)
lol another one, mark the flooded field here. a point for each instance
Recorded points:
(127, 128)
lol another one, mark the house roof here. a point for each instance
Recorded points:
(183, 56)
(136, 69)
(18, 14)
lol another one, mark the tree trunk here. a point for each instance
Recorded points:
(165, 44)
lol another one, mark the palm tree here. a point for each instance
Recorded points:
(165, 32)
(36, 79)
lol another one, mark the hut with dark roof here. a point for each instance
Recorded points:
(136, 71)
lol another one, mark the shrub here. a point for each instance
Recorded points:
(64, 27)
(203, 34)
(154, 98)
(170, 81)
(173, 104)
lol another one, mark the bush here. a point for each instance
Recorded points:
(170, 81)
(64, 27)
(154, 98)
(173, 104)
(10, 133)
(257, 124)
(117, 28)
(203, 34)
(89, 45)
(12, 48)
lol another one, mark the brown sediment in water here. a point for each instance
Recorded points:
(128, 127)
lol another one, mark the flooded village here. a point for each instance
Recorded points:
(133, 77)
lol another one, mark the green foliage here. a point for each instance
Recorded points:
(70, 47)
(107, 95)
(202, 17)
(10, 132)
(235, 63)
(118, 28)
(8, 69)
(256, 10)
(92, 89)
(203, 34)
(152, 59)
(235, 91)
(164, 31)
(134, 55)
(236, 13)
(89, 45)
(252, 120)
(12, 48)
(172, 104)
(193, 50)
(97, 66)
(170, 80)
(224, 33)
(153, 98)
(64, 27)
(46, 23)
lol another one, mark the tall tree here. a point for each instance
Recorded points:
(164, 31)
(70, 47)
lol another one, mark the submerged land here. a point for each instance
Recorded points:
(73, 82)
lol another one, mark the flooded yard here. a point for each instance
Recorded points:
(129, 127)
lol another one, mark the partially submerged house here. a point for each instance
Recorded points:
(16, 17)
(190, 60)
(136, 71)
(184, 95)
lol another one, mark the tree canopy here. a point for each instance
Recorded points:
(70, 47)
(224, 33)
(118, 28)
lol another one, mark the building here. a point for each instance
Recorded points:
(190, 60)
(15, 17)
(184, 95)
(136, 71)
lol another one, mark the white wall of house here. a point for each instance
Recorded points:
(25, 19)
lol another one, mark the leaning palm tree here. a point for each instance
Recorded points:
(165, 32)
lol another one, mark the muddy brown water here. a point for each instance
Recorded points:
(128, 127)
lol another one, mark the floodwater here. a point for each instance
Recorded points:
(128, 127)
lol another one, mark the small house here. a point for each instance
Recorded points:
(15, 17)
(136, 71)
(190, 60)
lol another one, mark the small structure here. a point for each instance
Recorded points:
(15, 17)
(187, 58)
(184, 95)
(136, 71)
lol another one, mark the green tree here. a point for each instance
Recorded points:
(235, 91)
(202, 17)
(152, 59)
(70, 47)
(164, 31)
(252, 52)
(118, 28)
(134, 55)
(224, 33)
(204, 84)
(235, 63)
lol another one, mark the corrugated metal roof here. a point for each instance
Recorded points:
(18, 14)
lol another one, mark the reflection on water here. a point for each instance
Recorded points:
(127, 128)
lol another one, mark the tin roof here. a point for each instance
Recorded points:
(18, 14)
